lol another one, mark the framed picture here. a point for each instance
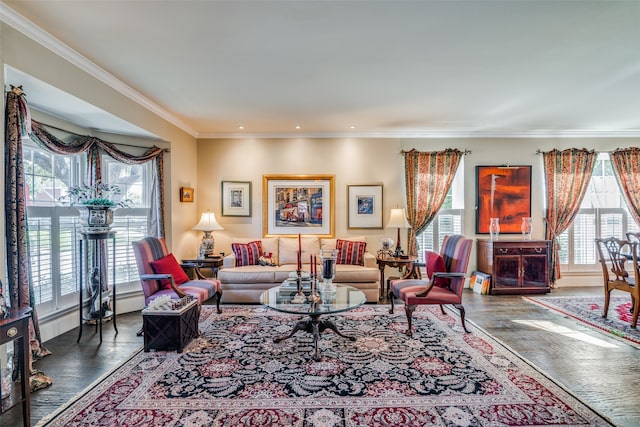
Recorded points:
(298, 204)
(236, 198)
(186, 194)
(502, 192)
(364, 206)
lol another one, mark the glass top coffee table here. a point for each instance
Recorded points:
(345, 298)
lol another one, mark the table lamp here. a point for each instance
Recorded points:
(398, 219)
(207, 224)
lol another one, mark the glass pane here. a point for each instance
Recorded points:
(40, 252)
(129, 229)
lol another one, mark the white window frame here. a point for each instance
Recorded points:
(58, 296)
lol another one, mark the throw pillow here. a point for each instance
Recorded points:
(267, 259)
(169, 265)
(350, 252)
(247, 253)
(435, 264)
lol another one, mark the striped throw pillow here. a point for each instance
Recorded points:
(350, 252)
(247, 253)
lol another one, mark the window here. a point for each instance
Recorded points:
(54, 229)
(603, 213)
(449, 219)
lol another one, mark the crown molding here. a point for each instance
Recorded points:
(40, 36)
(443, 134)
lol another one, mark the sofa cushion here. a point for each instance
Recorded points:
(348, 273)
(350, 252)
(434, 263)
(169, 265)
(247, 253)
(248, 274)
(289, 249)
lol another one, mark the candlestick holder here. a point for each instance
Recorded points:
(314, 297)
(299, 297)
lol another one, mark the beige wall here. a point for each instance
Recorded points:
(361, 161)
(25, 55)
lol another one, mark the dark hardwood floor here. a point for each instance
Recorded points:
(606, 378)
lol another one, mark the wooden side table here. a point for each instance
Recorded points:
(408, 264)
(214, 263)
(16, 328)
(170, 329)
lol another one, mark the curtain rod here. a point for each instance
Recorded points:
(166, 150)
(464, 152)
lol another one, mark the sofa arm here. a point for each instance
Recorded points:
(229, 261)
(370, 260)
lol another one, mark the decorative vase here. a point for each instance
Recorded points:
(494, 228)
(526, 228)
(328, 259)
(96, 218)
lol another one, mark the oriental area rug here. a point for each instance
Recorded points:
(234, 375)
(589, 309)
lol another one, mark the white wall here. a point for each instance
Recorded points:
(362, 161)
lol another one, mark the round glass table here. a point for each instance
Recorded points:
(343, 299)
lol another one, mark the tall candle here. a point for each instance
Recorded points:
(299, 252)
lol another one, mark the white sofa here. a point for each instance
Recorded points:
(244, 284)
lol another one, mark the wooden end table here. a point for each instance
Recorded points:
(214, 263)
(408, 264)
(16, 327)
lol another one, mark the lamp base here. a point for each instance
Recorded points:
(206, 247)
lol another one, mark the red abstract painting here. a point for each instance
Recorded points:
(503, 192)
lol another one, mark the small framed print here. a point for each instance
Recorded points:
(365, 206)
(236, 198)
(186, 194)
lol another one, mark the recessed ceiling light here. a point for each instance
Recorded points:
(298, 127)
(352, 127)
(241, 127)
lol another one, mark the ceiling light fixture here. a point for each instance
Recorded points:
(241, 127)
(298, 127)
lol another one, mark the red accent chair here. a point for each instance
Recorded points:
(455, 253)
(152, 249)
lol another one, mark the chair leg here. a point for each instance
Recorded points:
(462, 313)
(442, 309)
(218, 297)
(140, 332)
(607, 297)
(636, 311)
(409, 309)
(390, 297)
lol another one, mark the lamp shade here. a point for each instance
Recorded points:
(208, 222)
(398, 219)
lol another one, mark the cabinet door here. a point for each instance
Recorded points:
(506, 269)
(534, 272)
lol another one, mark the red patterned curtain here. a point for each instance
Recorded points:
(626, 165)
(428, 176)
(567, 175)
(19, 280)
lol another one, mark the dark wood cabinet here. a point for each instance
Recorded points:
(515, 266)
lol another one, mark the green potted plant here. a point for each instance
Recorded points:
(95, 204)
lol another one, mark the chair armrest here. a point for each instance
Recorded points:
(449, 275)
(155, 276)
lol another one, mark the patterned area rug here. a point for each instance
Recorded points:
(234, 375)
(588, 310)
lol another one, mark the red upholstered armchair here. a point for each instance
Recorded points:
(445, 285)
(160, 274)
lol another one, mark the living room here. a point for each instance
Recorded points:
(203, 159)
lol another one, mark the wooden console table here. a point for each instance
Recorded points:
(515, 266)
(16, 328)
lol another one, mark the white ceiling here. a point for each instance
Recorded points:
(389, 68)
